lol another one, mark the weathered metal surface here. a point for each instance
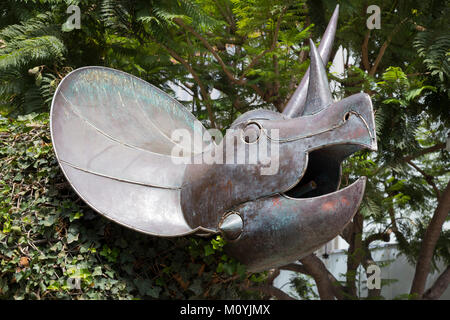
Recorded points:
(278, 230)
(319, 94)
(335, 132)
(113, 137)
(232, 225)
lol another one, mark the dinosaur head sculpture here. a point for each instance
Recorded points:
(119, 143)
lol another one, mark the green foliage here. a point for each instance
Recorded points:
(433, 45)
(34, 52)
(409, 91)
(233, 47)
(303, 287)
(28, 50)
(50, 239)
(229, 56)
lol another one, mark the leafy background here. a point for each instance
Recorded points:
(254, 53)
(50, 236)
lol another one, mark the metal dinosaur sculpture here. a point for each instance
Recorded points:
(113, 135)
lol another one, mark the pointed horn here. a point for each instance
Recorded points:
(319, 94)
(296, 105)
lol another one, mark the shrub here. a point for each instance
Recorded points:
(53, 246)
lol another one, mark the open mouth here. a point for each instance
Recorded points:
(298, 227)
(323, 172)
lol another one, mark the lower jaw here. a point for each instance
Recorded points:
(279, 230)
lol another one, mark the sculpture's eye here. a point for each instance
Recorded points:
(347, 116)
(251, 132)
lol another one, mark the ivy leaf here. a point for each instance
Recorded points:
(49, 220)
(75, 216)
(208, 250)
(229, 268)
(196, 287)
(146, 289)
(153, 292)
(72, 237)
(97, 271)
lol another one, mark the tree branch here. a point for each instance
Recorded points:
(295, 268)
(355, 253)
(359, 252)
(337, 287)
(205, 95)
(420, 153)
(400, 237)
(224, 15)
(230, 76)
(270, 291)
(277, 85)
(367, 261)
(439, 286)
(293, 81)
(347, 232)
(227, 72)
(272, 275)
(327, 285)
(424, 151)
(272, 47)
(383, 48)
(429, 179)
(365, 51)
(301, 56)
(429, 243)
(381, 236)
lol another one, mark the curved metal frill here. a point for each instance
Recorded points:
(112, 135)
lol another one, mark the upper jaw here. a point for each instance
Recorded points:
(327, 137)
(349, 121)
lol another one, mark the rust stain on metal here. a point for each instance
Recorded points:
(328, 206)
(276, 202)
(345, 201)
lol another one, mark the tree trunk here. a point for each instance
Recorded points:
(429, 244)
(315, 267)
(438, 288)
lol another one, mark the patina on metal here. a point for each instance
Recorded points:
(113, 136)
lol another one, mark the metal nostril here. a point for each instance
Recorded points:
(347, 116)
(251, 132)
(232, 226)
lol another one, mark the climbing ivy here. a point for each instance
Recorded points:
(53, 246)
